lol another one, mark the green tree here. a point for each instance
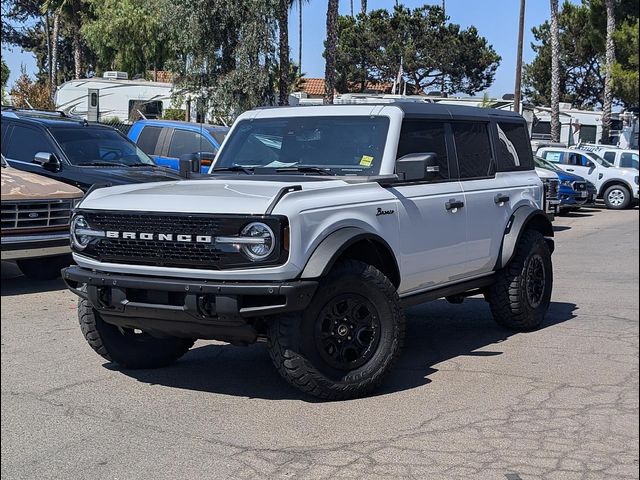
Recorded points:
(128, 35)
(4, 78)
(26, 93)
(433, 53)
(625, 69)
(227, 64)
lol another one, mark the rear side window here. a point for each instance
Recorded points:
(629, 160)
(148, 139)
(185, 142)
(425, 137)
(474, 150)
(514, 152)
(25, 142)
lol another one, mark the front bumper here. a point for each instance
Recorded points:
(16, 247)
(205, 309)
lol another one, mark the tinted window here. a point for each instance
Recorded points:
(424, 137)
(218, 135)
(342, 144)
(185, 142)
(629, 160)
(576, 159)
(98, 146)
(145, 109)
(515, 148)
(588, 133)
(25, 142)
(474, 150)
(610, 156)
(148, 139)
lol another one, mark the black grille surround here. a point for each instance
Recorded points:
(162, 253)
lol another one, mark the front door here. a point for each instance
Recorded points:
(432, 215)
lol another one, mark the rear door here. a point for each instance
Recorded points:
(433, 231)
(149, 140)
(486, 217)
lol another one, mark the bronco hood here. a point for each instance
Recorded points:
(215, 195)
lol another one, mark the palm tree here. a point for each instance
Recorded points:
(300, 2)
(610, 59)
(331, 47)
(283, 27)
(555, 73)
(67, 10)
(363, 6)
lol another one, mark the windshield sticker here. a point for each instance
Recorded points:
(366, 161)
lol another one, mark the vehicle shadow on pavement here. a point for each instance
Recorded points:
(14, 283)
(560, 228)
(436, 332)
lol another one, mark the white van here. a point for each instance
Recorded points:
(616, 186)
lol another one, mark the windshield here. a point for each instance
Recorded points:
(338, 145)
(89, 146)
(598, 159)
(542, 163)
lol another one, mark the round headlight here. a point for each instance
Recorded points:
(264, 241)
(78, 240)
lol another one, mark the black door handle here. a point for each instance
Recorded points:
(453, 204)
(500, 198)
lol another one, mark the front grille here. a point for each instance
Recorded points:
(552, 189)
(175, 253)
(36, 215)
(579, 186)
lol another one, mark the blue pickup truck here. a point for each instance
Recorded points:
(574, 191)
(167, 140)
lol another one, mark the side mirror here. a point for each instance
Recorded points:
(48, 161)
(189, 164)
(206, 158)
(417, 166)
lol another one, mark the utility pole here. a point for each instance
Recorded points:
(518, 88)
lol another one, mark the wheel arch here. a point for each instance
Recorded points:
(611, 183)
(354, 243)
(523, 218)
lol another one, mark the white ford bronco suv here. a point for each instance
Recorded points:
(315, 227)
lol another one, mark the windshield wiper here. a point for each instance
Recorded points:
(140, 164)
(235, 168)
(101, 164)
(306, 169)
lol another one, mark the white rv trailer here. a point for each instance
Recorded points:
(113, 96)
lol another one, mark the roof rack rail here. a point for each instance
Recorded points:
(35, 111)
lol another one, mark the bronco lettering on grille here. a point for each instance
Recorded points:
(161, 237)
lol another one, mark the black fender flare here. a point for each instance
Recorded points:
(522, 218)
(334, 245)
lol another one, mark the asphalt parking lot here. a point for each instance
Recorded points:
(467, 400)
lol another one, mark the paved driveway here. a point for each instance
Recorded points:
(468, 399)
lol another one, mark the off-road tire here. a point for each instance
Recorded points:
(508, 298)
(617, 197)
(293, 347)
(128, 349)
(45, 268)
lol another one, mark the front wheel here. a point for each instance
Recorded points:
(348, 338)
(617, 197)
(127, 347)
(521, 296)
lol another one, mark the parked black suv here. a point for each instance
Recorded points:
(74, 151)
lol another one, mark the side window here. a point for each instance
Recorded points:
(629, 160)
(474, 150)
(572, 159)
(148, 139)
(25, 142)
(185, 142)
(422, 137)
(610, 156)
(515, 148)
(552, 156)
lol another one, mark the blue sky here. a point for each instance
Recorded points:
(497, 20)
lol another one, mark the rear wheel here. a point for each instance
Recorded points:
(127, 347)
(44, 268)
(348, 338)
(617, 197)
(521, 296)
